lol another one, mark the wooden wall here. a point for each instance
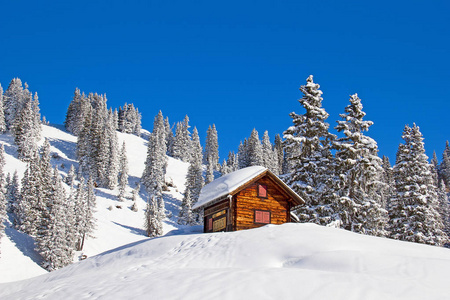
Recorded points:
(247, 201)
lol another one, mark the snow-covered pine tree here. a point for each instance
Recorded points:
(76, 112)
(13, 101)
(182, 143)
(155, 167)
(37, 129)
(388, 179)
(170, 140)
(89, 221)
(84, 144)
(52, 242)
(444, 167)
(30, 204)
(270, 159)
(153, 223)
(2, 112)
(243, 160)
(25, 131)
(232, 161)
(186, 217)
(129, 119)
(135, 193)
(113, 152)
(194, 181)
(412, 209)
(71, 176)
(211, 152)
(278, 148)
(13, 194)
(2, 194)
(312, 172)
(444, 208)
(123, 175)
(360, 170)
(254, 149)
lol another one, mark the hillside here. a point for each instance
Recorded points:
(117, 225)
(291, 261)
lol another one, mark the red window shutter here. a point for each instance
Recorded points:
(210, 224)
(258, 216)
(266, 217)
(262, 191)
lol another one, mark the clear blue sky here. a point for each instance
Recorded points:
(238, 64)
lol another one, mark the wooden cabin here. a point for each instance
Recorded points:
(247, 198)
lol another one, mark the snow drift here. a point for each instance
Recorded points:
(290, 261)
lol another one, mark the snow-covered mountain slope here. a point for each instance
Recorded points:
(117, 225)
(290, 261)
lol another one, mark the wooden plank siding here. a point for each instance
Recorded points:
(247, 201)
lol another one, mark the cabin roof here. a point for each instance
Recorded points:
(232, 183)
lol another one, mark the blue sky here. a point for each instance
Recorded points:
(238, 64)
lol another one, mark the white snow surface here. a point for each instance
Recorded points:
(226, 184)
(290, 261)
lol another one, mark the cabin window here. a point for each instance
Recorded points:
(262, 191)
(210, 224)
(262, 216)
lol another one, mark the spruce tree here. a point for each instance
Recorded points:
(413, 208)
(194, 181)
(270, 159)
(113, 153)
(255, 150)
(135, 193)
(211, 152)
(278, 148)
(71, 175)
(123, 175)
(2, 194)
(360, 171)
(13, 101)
(153, 223)
(243, 160)
(182, 143)
(25, 132)
(307, 143)
(170, 140)
(76, 112)
(445, 165)
(52, 242)
(2, 112)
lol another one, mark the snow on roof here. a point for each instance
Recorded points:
(226, 184)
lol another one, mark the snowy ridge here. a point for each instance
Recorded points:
(226, 184)
(290, 261)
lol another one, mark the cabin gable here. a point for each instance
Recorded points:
(261, 203)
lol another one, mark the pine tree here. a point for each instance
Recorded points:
(13, 101)
(76, 112)
(254, 150)
(25, 132)
(13, 194)
(2, 194)
(307, 144)
(243, 160)
(182, 143)
(278, 148)
(31, 202)
(123, 175)
(270, 159)
(445, 165)
(186, 216)
(155, 164)
(444, 208)
(360, 171)
(84, 144)
(389, 186)
(170, 140)
(153, 223)
(2, 112)
(71, 175)
(86, 221)
(51, 241)
(211, 154)
(232, 161)
(113, 153)
(413, 208)
(135, 193)
(194, 181)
